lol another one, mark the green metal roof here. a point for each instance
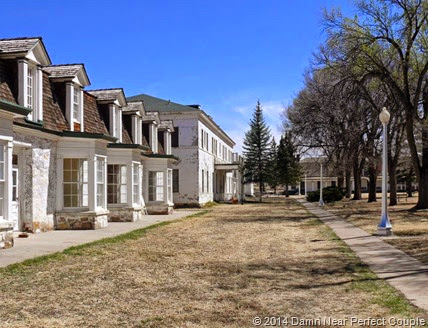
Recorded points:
(153, 104)
(14, 108)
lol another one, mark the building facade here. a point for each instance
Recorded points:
(72, 158)
(208, 169)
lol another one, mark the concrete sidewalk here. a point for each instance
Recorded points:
(403, 272)
(58, 240)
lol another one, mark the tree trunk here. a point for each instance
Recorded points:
(357, 168)
(422, 190)
(409, 185)
(286, 190)
(261, 191)
(340, 180)
(372, 183)
(348, 183)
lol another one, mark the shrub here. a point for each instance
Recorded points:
(329, 195)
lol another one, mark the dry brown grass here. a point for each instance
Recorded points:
(218, 270)
(410, 227)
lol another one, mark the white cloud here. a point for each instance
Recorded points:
(272, 111)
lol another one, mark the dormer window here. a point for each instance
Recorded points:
(30, 88)
(76, 104)
(30, 91)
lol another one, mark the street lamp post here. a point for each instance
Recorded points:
(321, 200)
(384, 227)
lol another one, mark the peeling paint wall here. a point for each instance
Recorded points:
(37, 174)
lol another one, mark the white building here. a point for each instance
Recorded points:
(70, 158)
(208, 169)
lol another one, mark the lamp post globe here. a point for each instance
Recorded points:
(384, 227)
(384, 116)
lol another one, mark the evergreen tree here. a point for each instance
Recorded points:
(288, 166)
(256, 150)
(272, 178)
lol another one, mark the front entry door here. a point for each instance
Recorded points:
(15, 200)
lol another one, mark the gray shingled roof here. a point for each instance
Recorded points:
(106, 94)
(69, 70)
(134, 106)
(153, 104)
(17, 45)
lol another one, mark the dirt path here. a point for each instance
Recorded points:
(217, 270)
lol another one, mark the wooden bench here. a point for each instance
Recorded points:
(401, 195)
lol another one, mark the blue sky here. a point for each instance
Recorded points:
(223, 55)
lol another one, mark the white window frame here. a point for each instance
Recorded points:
(100, 182)
(203, 181)
(156, 186)
(2, 178)
(76, 104)
(31, 86)
(169, 185)
(135, 183)
(82, 182)
(120, 183)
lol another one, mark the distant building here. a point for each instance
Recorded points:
(208, 169)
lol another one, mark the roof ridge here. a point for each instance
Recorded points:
(56, 65)
(22, 38)
(108, 89)
(168, 101)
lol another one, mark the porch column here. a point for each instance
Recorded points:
(129, 178)
(8, 181)
(92, 182)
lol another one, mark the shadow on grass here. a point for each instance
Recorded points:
(83, 248)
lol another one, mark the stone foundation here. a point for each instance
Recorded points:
(159, 209)
(6, 235)
(36, 227)
(81, 221)
(124, 214)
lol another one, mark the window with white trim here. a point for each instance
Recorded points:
(2, 179)
(208, 182)
(156, 185)
(135, 180)
(203, 181)
(100, 174)
(30, 87)
(75, 181)
(76, 103)
(169, 185)
(116, 184)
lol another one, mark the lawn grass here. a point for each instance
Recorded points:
(410, 227)
(230, 264)
(82, 249)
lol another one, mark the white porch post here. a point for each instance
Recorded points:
(306, 186)
(129, 180)
(59, 182)
(92, 182)
(8, 181)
